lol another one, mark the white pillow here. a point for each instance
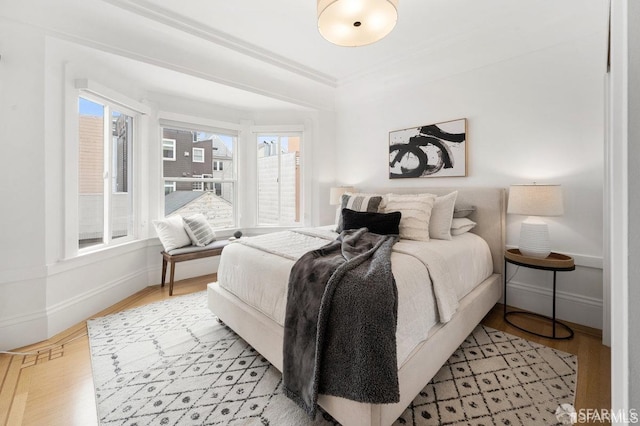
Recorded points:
(441, 216)
(199, 230)
(171, 232)
(461, 225)
(416, 212)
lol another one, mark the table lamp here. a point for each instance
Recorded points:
(335, 196)
(535, 200)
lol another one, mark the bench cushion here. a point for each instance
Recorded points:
(192, 249)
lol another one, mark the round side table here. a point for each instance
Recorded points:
(554, 262)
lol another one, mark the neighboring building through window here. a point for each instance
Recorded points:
(105, 175)
(279, 179)
(198, 186)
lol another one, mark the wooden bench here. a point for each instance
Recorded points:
(188, 253)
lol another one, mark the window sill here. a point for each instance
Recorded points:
(99, 255)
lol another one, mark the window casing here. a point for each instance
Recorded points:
(279, 179)
(196, 186)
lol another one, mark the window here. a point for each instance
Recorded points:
(169, 187)
(105, 175)
(169, 149)
(197, 185)
(279, 179)
(198, 155)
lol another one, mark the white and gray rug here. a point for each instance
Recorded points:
(172, 363)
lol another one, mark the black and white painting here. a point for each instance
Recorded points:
(434, 150)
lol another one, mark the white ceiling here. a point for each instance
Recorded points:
(269, 55)
(285, 31)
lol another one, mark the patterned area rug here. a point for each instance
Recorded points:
(172, 363)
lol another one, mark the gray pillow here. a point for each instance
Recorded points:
(461, 210)
(199, 230)
(359, 203)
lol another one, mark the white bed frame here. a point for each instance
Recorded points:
(266, 336)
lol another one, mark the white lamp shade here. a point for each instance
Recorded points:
(535, 200)
(335, 196)
(356, 22)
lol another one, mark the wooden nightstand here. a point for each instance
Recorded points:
(554, 262)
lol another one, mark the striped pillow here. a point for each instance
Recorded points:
(359, 203)
(199, 230)
(416, 213)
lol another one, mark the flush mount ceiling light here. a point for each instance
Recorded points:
(356, 22)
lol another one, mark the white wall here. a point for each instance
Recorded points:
(22, 165)
(537, 117)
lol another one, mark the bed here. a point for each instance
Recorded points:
(239, 299)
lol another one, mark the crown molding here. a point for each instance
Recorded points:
(179, 22)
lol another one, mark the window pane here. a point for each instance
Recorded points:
(90, 173)
(290, 179)
(201, 158)
(268, 189)
(190, 161)
(216, 203)
(122, 194)
(278, 180)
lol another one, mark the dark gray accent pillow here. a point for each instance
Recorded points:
(378, 223)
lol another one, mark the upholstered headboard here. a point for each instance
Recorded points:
(489, 215)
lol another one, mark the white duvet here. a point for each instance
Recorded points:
(256, 270)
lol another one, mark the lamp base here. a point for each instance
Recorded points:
(534, 239)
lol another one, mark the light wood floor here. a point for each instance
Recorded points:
(55, 386)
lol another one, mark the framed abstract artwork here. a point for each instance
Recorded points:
(433, 150)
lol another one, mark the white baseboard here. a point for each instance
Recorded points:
(71, 311)
(22, 330)
(25, 329)
(569, 306)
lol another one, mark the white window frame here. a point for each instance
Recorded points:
(173, 143)
(96, 92)
(201, 154)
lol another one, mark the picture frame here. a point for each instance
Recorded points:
(432, 150)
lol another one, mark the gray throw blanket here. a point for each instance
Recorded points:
(340, 323)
